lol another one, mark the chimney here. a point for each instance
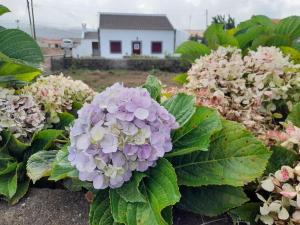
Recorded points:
(83, 29)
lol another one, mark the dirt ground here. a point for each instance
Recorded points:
(98, 80)
(61, 207)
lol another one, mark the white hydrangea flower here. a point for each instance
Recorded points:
(57, 93)
(19, 114)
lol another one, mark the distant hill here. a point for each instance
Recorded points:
(50, 32)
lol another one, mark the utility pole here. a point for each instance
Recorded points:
(18, 23)
(33, 24)
(29, 15)
(206, 17)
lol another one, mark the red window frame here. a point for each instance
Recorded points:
(156, 47)
(115, 47)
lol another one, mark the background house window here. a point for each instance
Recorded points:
(156, 47)
(115, 47)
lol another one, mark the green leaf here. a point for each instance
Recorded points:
(280, 156)
(293, 54)
(235, 157)
(153, 86)
(289, 26)
(192, 50)
(245, 213)
(39, 165)
(43, 141)
(294, 115)
(245, 39)
(160, 190)
(16, 44)
(74, 184)
(211, 200)
(7, 163)
(3, 9)
(196, 133)
(130, 191)
(181, 78)
(22, 189)
(8, 178)
(100, 212)
(65, 119)
(14, 146)
(181, 106)
(211, 35)
(62, 167)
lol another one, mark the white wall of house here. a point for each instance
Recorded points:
(84, 49)
(128, 36)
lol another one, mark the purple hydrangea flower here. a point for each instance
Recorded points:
(122, 130)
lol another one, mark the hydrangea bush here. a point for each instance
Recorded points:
(120, 131)
(19, 114)
(256, 89)
(56, 94)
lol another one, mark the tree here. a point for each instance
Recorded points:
(221, 19)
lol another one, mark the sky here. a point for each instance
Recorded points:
(183, 14)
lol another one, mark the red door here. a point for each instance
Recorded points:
(136, 47)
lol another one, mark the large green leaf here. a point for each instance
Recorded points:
(211, 35)
(3, 9)
(8, 175)
(153, 86)
(289, 26)
(43, 141)
(280, 156)
(39, 165)
(130, 191)
(235, 157)
(181, 78)
(245, 39)
(62, 167)
(181, 106)
(293, 54)
(14, 146)
(22, 188)
(196, 133)
(160, 191)
(211, 200)
(294, 115)
(65, 120)
(192, 50)
(100, 212)
(16, 44)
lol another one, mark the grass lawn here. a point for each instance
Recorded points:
(99, 79)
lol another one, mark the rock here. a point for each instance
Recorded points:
(46, 207)
(61, 207)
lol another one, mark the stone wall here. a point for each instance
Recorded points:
(170, 65)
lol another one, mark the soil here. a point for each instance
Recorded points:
(99, 79)
(62, 207)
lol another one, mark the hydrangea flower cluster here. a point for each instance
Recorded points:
(120, 131)
(19, 114)
(56, 94)
(283, 203)
(245, 89)
(290, 138)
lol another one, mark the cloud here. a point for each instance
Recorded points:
(72, 13)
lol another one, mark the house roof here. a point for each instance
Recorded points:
(91, 35)
(134, 22)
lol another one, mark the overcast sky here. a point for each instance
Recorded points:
(72, 13)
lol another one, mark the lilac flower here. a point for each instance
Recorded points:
(122, 130)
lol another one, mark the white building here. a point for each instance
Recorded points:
(121, 35)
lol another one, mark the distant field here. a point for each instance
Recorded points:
(99, 79)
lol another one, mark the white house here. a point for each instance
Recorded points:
(121, 35)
